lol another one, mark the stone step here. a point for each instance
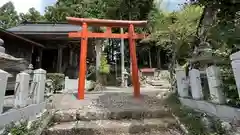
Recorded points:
(87, 115)
(113, 127)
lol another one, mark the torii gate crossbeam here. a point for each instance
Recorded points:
(85, 34)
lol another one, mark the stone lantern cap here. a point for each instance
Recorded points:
(6, 57)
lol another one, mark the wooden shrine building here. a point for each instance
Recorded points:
(59, 53)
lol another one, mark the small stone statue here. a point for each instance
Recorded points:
(29, 70)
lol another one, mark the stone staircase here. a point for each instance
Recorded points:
(114, 114)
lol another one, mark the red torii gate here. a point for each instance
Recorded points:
(85, 34)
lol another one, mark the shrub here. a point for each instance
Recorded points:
(104, 66)
(104, 70)
(57, 79)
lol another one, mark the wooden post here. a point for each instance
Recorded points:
(40, 58)
(82, 62)
(133, 56)
(59, 60)
(70, 57)
(159, 58)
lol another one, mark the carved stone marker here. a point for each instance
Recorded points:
(22, 89)
(236, 69)
(40, 78)
(195, 83)
(215, 85)
(182, 82)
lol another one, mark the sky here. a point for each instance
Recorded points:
(22, 6)
(172, 5)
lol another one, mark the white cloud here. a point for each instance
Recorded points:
(22, 6)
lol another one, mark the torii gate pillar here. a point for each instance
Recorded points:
(85, 34)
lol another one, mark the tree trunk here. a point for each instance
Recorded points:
(207, 20)
(98, 48)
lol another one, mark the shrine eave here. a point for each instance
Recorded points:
(44, 27)
(8, 34)
(45, 30)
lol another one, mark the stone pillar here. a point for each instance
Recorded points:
(3, 86)
(59, 60)
(21, 89)
(215, 85)
(235, 58)
(40, 78)
(195, 83)
(182, 82)
(123, 83)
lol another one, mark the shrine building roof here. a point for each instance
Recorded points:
(44, 28)
(45, 31)
(7, 35)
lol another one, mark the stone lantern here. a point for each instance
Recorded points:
(203, 58)
(9, 62)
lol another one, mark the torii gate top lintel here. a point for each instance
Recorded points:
(104, 22)
(84, 34)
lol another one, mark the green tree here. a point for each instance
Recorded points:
(128, 9)
(8, 16)
(75, 8)
(175, 31)
(33, 16)
(111, 9)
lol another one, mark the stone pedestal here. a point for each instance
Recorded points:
(195, 83)
(215, 85)
(182, 82)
